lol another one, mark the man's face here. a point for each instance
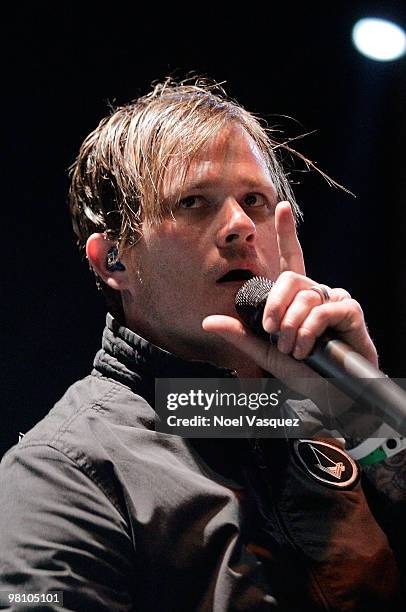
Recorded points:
(193, 263)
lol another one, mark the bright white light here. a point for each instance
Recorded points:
(379, 39)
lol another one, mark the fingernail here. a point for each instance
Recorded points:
(283, 346)
(269, 325)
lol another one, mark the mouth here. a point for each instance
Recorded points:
(235, 276)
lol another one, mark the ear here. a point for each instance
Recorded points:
(97, 248)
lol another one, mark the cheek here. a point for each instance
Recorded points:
(266, 239)
(167, 261)
(177, 247)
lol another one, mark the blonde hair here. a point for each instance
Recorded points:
(118, 177)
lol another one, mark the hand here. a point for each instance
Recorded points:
(296, 311)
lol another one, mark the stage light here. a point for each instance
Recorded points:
(379, 39)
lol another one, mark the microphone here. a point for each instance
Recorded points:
(333, 359)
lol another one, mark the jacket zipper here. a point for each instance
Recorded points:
(270, 504)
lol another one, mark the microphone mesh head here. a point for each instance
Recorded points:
(251, 297)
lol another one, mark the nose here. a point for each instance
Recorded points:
(236, 226)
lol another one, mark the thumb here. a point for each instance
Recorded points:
(295, 374)
(233, 331)
(261, 351)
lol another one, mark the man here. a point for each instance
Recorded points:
(177, 199)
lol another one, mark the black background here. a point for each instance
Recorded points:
(63, 66)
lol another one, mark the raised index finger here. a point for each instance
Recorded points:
(290, 251)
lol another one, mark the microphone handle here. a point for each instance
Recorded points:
(350, 372)
(358, 378)
(333, 359)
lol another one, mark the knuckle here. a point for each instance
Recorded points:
(308, 297)
(305, 335)
(287, 326)
(356, 308)
(274, 304)
(289, 276)
(320, 315)
(341, 294)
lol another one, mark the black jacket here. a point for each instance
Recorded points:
(96, 505)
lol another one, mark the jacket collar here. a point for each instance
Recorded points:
(130, 359)
(127, 357)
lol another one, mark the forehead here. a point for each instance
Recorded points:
(230, 155)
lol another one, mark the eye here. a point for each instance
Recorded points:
(191, 202)
(254, 200)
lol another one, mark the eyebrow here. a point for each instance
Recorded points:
(249, 183)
